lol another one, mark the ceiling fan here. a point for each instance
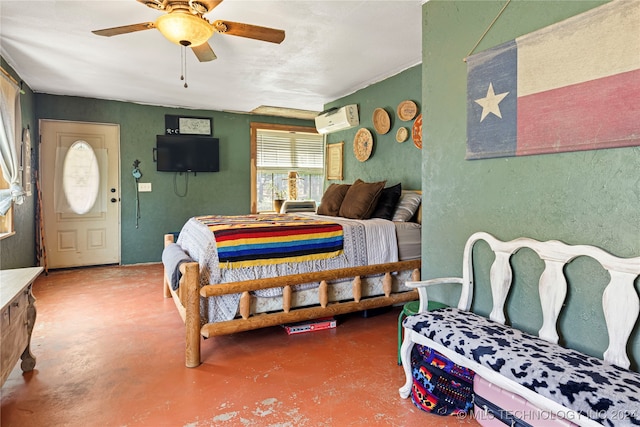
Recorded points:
(184, 24)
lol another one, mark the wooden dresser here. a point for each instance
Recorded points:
(18, 316)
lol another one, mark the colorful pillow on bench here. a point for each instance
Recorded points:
(439, 385)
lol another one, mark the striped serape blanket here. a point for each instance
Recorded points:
(250, 240)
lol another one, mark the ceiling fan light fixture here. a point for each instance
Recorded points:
(184, 28)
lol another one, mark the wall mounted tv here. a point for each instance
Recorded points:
(181, 153)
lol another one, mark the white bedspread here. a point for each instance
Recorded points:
(381, 244)
(366, 242)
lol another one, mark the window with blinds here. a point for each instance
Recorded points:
(280, 152)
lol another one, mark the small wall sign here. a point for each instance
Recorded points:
(179, 125)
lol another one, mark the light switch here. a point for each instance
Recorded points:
(144, 187)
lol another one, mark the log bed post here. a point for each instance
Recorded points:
(191, 280)
(168, 239)
(189, 295)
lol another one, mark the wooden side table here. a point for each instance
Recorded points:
(18, 316)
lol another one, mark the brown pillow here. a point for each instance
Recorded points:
(332, 199)
(361, 199)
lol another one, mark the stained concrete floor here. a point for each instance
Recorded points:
(110, 351)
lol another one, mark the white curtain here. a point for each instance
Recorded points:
(11, 121)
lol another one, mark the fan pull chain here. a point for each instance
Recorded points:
(183, 63)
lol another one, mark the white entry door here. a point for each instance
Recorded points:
(80, 177)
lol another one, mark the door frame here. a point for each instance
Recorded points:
(118, 179)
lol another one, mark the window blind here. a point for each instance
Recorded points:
(289, 150)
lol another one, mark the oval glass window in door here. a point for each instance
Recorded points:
(81, 177)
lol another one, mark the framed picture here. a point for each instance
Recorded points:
(180, 125)
(334, 160)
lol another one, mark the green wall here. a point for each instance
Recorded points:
(586, 197)
(389, 160)
(164, 209)
(18, 251)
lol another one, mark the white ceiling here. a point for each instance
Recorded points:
(331, 49)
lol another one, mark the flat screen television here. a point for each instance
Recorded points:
(181, 153)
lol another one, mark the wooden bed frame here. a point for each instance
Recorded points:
(187, 299)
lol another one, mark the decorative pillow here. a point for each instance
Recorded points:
(387, 202)
(361, 199)
(439, 385)
(332, 199)
(408, 205)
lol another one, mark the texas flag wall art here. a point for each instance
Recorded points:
(572, 86)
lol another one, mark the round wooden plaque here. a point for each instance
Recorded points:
(402, 134)
(417, 132)
(363, 144)
(381, 121)
(407, 110)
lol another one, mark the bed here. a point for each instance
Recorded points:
(236, 273)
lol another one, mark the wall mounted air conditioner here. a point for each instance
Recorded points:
(337, 119)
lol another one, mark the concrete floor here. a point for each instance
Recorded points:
(110, 351)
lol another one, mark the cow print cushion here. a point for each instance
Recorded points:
(603, 392)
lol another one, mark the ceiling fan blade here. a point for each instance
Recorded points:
(210, 4)
(154, 4)
(204, 52)
(108, 32)
(250, 31)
